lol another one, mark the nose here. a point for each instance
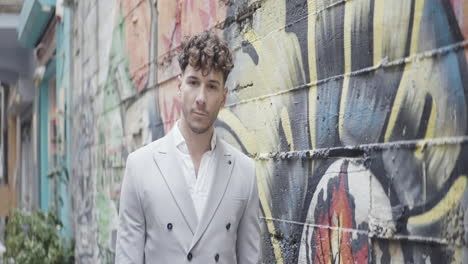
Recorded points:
(201, 96)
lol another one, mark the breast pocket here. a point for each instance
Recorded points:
(232, 210)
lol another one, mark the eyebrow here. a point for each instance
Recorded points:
(192, 77)
(214, 81)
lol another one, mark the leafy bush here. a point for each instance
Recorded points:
(33, 238)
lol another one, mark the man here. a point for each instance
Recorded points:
(190, 197)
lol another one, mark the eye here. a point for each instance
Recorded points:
(193, 82)
(213, 87)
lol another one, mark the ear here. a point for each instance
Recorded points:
(179, 83)
(225, 91)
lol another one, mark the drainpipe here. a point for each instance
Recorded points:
(18, 193)
(2, 109)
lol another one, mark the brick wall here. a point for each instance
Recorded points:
(354, 111)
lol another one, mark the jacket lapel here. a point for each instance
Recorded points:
(169, 166)
(222, 176)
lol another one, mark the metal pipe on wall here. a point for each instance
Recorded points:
(2, 115)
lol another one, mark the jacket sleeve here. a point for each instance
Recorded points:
(132, 227)
(248, 232)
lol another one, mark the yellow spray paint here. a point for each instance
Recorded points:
(312, 70)
(448, 203)
(348, 23)
(418, 11)
(286, 123)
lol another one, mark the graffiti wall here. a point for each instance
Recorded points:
(355, 112)
(113, 112)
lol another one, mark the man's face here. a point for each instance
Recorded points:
(201, 97)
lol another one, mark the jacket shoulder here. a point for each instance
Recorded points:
(147, 151)
(241, 158)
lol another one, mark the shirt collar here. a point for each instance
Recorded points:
(179, 139)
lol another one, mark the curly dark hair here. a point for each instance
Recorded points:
(206, 51)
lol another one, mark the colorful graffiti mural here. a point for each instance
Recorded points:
(111, 73)
(366, 85)
(354, 111)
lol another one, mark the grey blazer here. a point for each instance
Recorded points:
(157, 218)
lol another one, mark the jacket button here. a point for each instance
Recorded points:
(228, 226)
(189, 256)
(216, 257)
(169, 226)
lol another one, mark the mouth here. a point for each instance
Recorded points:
(200, 113)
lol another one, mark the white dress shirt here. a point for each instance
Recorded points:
(200, 186)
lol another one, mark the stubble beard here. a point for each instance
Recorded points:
(199, 130)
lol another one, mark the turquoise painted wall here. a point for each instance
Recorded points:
(34, 18)
(63, 98)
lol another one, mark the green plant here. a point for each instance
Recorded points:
(33, 238)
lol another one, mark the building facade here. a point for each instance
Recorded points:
(17, 165)
(35, 84)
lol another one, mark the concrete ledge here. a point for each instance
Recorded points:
(34, 17)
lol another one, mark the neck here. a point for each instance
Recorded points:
(197, 144)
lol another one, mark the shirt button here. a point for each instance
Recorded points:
(229, 162)
(228, 226)
(216, 257)
(189, 256)
(169, 226)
